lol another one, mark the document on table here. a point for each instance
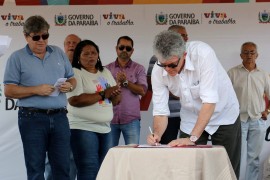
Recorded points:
(57, 85)
(167, 146)
(150, 146)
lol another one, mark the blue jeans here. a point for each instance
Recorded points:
(89, 150)
(131, 132)
(72, 172)
(253, 132)
(41, 133)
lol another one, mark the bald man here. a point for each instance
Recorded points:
(70, 43)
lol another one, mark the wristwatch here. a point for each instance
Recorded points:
(193, 138)
(102, 94)
(125, 83)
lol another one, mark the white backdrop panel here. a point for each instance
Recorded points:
(226, 39)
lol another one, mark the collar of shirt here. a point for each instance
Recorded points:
(188, 65)
(127, 65)
(240, 66)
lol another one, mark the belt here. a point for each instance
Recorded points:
(45, 111)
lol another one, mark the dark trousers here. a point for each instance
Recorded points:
(228, 136)
(171, 130)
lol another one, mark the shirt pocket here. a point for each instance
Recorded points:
(133, 78)
(195, 91)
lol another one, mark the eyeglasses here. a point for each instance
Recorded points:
(122, 47)
(37, 37)
(172, 65)
(249, 52)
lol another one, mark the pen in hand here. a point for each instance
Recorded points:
(152, 134)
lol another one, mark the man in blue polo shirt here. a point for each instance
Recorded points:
(30, 76)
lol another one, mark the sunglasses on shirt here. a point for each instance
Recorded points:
(172, 65)
(37, 37)
(122, 47)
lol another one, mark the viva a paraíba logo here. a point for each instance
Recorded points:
(218, 18)
(176, 19)
(117, 19)
(75, 20)
(264, 17)
(12, 19)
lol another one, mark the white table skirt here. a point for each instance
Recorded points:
(125, 163)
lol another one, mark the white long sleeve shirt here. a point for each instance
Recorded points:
(202, 80)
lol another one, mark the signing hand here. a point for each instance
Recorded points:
(153, 139)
